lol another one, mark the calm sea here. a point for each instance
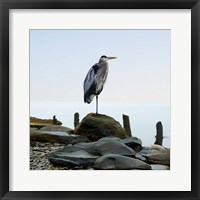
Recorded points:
(143, 117)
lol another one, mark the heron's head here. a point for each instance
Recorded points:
(106, 58)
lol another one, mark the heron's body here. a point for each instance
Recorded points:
(95, 79)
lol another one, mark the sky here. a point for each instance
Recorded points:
(60, 60)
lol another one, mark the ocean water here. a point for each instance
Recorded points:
(143, 117)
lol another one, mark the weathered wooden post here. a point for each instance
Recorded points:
(126, 124)
(159, 133)
(76, 119)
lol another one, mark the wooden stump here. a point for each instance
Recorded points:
(159, 133)
(76, 119)
(126, 124)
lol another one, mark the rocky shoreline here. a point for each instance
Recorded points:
(97, 143)
(39, 159)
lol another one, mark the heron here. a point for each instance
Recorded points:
(95, 79)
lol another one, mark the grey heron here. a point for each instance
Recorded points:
(95, 79)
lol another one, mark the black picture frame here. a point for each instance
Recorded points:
(5, 5)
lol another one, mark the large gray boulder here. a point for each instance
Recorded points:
(132, 142)
(156, 154)
(114, 147)
(98, 126)
(158, 158)
(83, 154)
(56, 137)
(102, 147)
(114, 162)
(77, 158)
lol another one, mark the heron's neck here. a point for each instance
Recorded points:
(103, 63)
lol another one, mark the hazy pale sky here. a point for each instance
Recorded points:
(60, 60)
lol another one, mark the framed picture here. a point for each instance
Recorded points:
(99, 99)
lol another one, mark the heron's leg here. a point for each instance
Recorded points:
(96, 104)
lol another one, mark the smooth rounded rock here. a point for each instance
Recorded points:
(73, 159)
(98, 126)
(158, 158)
(154, 149)
(88, 147)
(119, 162)
(110, 138)
(156, 154)
(113, 147)
(55, 137)
(102, 147)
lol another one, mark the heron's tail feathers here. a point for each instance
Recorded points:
(88, 99)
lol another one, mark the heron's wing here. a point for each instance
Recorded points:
(101, 78)
(89, 84)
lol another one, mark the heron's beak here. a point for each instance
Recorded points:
(109, 58)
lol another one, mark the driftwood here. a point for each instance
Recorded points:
(126, 124)
(76, 119)
(159, 134)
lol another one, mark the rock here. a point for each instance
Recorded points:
(70, 149)
(56, 128)
(146, 151)
(114, 161)
(113, 147)
(133, 142)
(39, 123)
(158, 158)
(73, 159)
(140, 157)
(110, 138)
(109, 146)
(159, 167)
(156, 154)
(43, 121)
(98, 126)
(158, 148)
(38, 159)
(88, 147)
(154, 149)
(56, 137)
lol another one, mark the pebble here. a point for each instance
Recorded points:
(39, 160)
(38, 156)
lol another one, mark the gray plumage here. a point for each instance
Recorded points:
(95, 80)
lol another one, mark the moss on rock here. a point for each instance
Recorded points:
(39, 123)
(98, 126)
